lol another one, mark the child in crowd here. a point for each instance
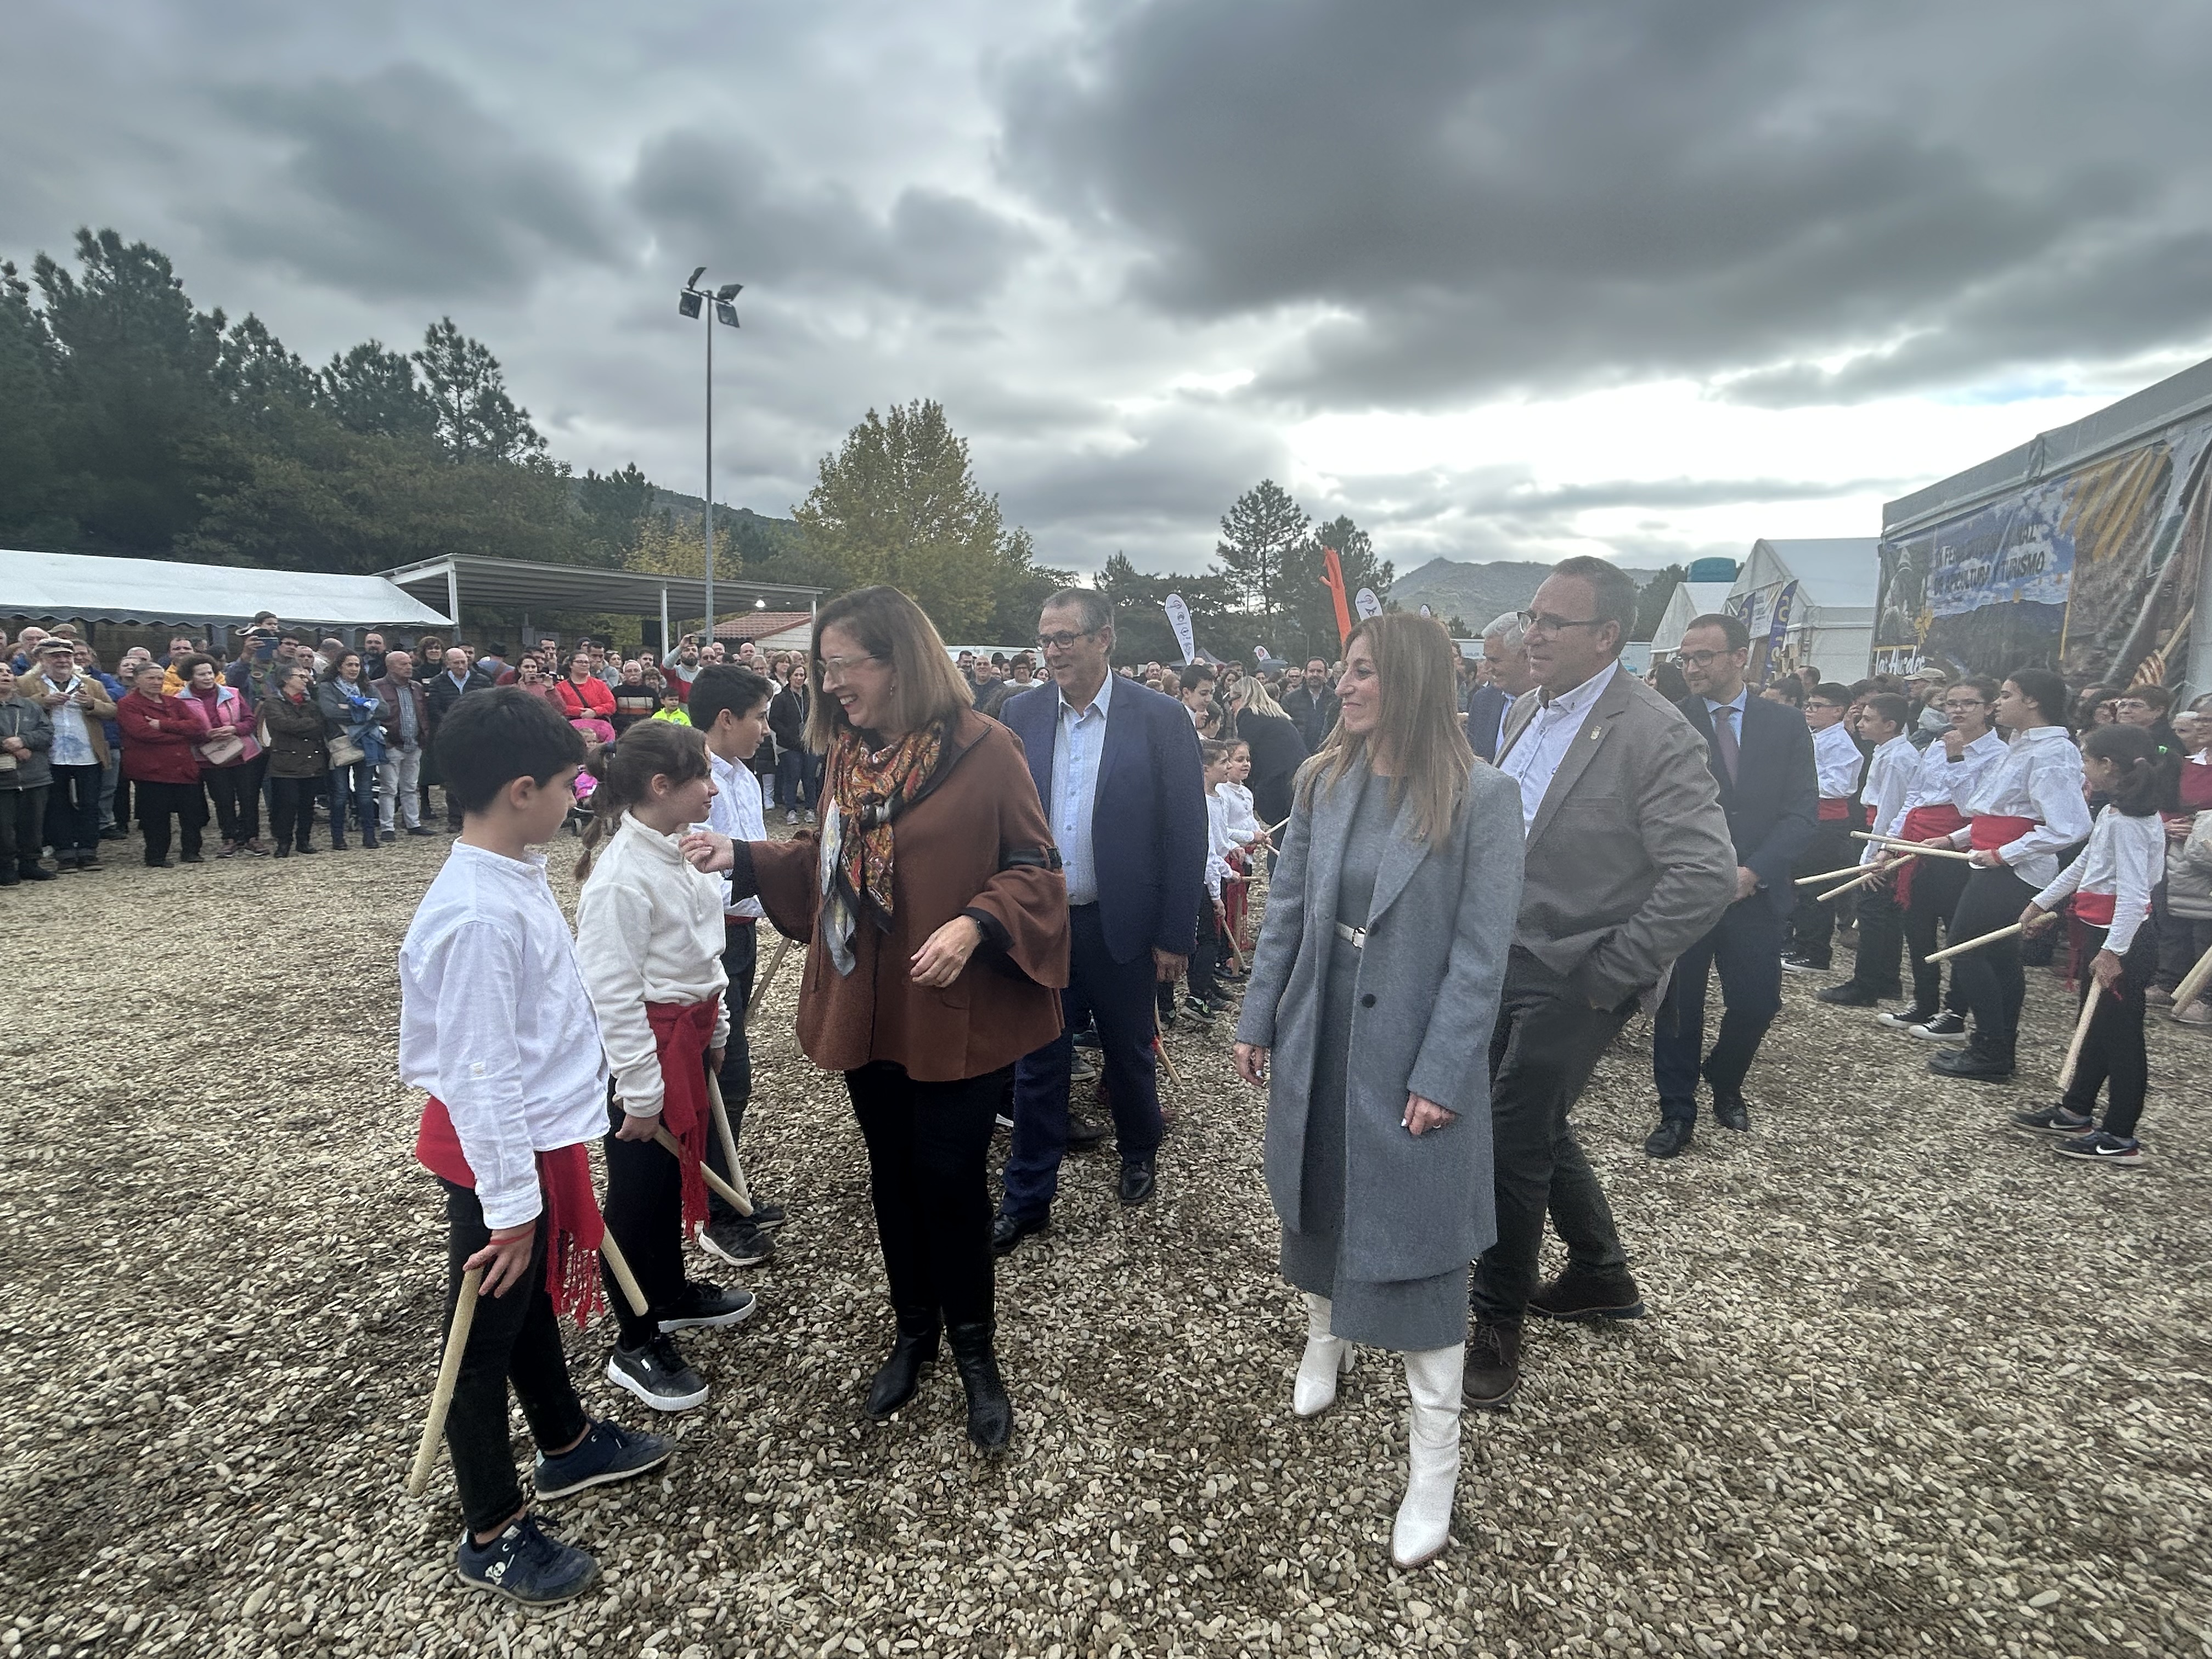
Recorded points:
(490, 1006)
(1207, 999)
(650, 937)
(1246, 834)
(1882, 722)
(672, 705)
(729, 708)
(2110, 886)
(1838, 766)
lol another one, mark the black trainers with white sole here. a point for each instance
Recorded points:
(2102, 1148)
(2052, 1120)
(1946, 1027)
(656, 1373)
(741, 1240)
(525, 1566)
(607, 1453)
(704, 1307)
(1903, 1019)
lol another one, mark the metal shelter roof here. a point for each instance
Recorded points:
(516, 583)
(62, 586)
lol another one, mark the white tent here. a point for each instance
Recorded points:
(1830, 584)
(1688, 601)
(76, 586)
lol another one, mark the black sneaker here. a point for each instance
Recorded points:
(656, 1373)
(524, 1565)
(704, 1307)
(1903, 1019)
(1850, 994)
(2101, 1148)
(740, 1241)
(1946, 1027)
(1973, 1064)
(1199, 1009)
(767, 1217)
(2052, 1120)
(607, 1453)
(1794, 963)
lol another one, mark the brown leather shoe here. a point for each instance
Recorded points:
(1493, 1367)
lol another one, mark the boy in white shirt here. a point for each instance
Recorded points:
(1889, 780)
(491, 1008)
(1837, 765)
(1207, 997)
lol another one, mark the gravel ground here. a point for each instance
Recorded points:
(1909, 1383)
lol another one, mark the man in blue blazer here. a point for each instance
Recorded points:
(1761, 755)
(1117, 766)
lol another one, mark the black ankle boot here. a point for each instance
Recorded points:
(990, 1413)
(902, 1373)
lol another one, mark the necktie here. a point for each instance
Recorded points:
(1724, 740)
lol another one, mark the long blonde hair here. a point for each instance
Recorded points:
(1253, 694)
(1418, 734)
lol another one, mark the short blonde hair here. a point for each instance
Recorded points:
(926, 687)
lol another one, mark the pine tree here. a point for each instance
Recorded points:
(477, 419)
(1259, 535)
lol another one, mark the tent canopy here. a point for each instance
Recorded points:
(520, 584)
(1831, 626)
(58, 587)
(1689, 601)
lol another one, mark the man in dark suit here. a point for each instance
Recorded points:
(1761, 755)
(458, 677)
(1506, 650)
(1311, 705)
(1117, 766)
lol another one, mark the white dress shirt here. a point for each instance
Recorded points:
(735, 811)
(648, 929)
(1078, 748)
(1943, 781)
(1836, 761)
(1218, 845)
(2039, 776)
(494, 1021)
(1243, 825)
(1545, 740)
(2126, 857)
(1890, 777)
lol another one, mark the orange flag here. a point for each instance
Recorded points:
(1333, 579)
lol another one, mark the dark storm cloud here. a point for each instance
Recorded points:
(726, 198)
(1458, 198)
(399, 184)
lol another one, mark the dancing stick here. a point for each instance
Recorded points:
(729, 1141)
(2081, 1035)
(619, 1265)
(1236, 956)
(449, 1369)
(1893, 844)
(1160, 1048)
(1272, 827)
(760, 984)
(2193, 982)
(1831, 875)
(1972, 945)
(674, 1149)
(1837, 892)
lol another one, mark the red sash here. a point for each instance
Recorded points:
(1988, 831)
(682, 1032)
(2095, 909)
(1919, 824)
(1836, 809)
(571, 1217)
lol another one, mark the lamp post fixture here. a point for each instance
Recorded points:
(692, 302)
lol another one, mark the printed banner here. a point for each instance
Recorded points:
(1366, 604)
(1179, 619)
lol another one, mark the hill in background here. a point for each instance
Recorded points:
(1476, 592)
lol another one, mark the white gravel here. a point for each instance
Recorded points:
(1910, 1384)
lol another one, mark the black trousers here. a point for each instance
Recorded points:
(237, 791)
(1882, 940)
(515, 1338)
(1206, 954)
(23, 828)
(157, 804)
(1937, 884)
(1545, 1043)
(73, 812)
(1746, 945)
(644, 1210)
(928, 1148)
(1991, 982)
(292, 810)
(2113, 1054)
(740, 952)
(1813, 924)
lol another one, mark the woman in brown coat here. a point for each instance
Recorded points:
(936, 927)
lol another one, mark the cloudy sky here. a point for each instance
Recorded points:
(1499, 280)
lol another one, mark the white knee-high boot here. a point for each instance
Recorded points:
(1432, 1378)
(1325, 1359)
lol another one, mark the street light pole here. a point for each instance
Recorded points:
(692, 302)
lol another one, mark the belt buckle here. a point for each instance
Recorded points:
(1356, 937)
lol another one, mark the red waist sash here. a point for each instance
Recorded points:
(1837, 809)
(682, 1033)
(571, 1218)
(1920, 823)
(2096, 909)
(1988, 831)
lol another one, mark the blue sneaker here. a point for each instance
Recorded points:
(524, 1565)
(2102, 1148)
(608, 1453)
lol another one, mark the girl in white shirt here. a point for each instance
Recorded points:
(2109, 888)
(649, 939)
(1245, 832)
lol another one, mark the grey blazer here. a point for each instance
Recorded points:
(1629, 858)
(1439, 927)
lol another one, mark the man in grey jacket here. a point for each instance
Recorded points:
(1628, 862)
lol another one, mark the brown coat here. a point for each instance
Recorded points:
(950, 852)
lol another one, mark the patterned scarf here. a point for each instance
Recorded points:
(866, 791)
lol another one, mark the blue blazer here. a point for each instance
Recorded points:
(1774, 805)
(1148, 818)
(1486, 710)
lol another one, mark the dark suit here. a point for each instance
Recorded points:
(1148, 856)
(1772, 805)
(1485, 711)
(439, 694)
(1312, 712)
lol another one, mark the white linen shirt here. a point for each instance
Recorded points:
(2126, 857)
(1836, 761)
(2039, 776)
(1077, 748)
(1889, 781)
(1545, 740)
(1943, 781)
(735, 811)
(1218, 845)
(494, 1021)
(648, 929)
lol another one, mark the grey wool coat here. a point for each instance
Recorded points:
(1439, 928)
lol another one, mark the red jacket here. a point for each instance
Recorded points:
(593, 697)
(169, 754)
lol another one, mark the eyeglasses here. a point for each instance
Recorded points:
(1959, 705)
(1699, 659)
(836, 668)
(1534, 621)
(1063, 639)
(2130, 705)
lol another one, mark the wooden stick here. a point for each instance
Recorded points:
(2081, 1035)
(1973, 945)
(729, 1142)
(760, 984)
(1272, 827)
(619, 1265)
(449, 1369)
(1837, 892)
(1236, 956)
(1896, 846)
(2193, 982)
(674, 1149)
(1160, 1048)
(1831, 875)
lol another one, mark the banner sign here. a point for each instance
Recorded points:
(1179, 619)
(1367, 604)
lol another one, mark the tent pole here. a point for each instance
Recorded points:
(665, 647)
(454, 596)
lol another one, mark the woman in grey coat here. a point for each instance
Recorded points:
(1375, 985)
